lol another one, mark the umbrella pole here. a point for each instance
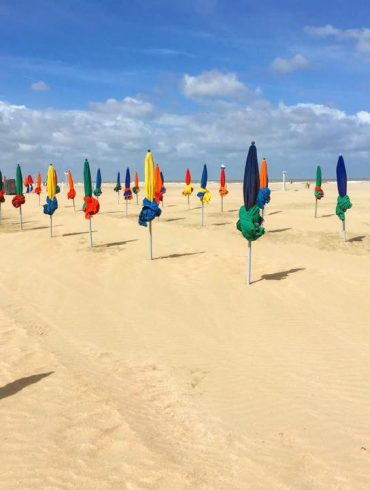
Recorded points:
(202, 213)
(20, 217)
(344, 230)
(137, 199)
(126, 206)
(262, 213)
(74, 205)
(222, 204)
(249, 262)
(188, 201)
(90, 232)
(316, 208)
(118, 197)
(150, 241)
(0, 212)
(39, 199)
(51, 226)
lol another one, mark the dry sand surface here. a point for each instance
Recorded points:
(121, 373)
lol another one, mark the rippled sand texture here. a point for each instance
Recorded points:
(121, 373)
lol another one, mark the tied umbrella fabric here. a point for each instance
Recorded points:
(149, 211)
(51, 206)
(18, 200)
(319, 193)
(264, 192)
(97, 190)
(223, 190)
(136, 188)
(188, 188)
(203, 193)
(250, 221)
(91, 206)
(343, 201)
(127, 194)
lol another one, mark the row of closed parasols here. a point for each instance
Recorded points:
(256, 195)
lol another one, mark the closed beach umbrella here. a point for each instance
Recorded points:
(38, 186)
(203, 193)
(127, 192)
(223, 189)
(97, 190)
(250, 221)
(51, 201)
(2, 198)
(319, 193)
(163, 188)
(19, 198)
(150, 208)
(136, 188)
(118, 185)
(157, 184)
(188, 188)
(343, 201)
(72, 191)
(91, 205)
(264, 192)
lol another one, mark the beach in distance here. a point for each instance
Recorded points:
(117, 372)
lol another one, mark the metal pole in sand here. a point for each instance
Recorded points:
(188, 201)
(39, 199)
(21, 217)
(0, 212)
(222, 204)
(51, 226)
(316, 208)
(118, 197)
(150, 241)
(126, 206)
(249, 262)
(344, 230)
(74, 205)
(202, 213)
(137, 199)
(90, 232)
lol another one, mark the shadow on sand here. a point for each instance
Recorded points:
(78, 233)
(278, 230)
(274, 212)
(114, 244)
(15, 386)
(175, 256)
(279, 276)
(356, 238)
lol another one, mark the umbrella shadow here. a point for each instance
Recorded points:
(279, 276)
(232, 210)
(278, 230)
(112, 212)
(357, 238)
(175, 256)
(223, 224)
(15, 386)
(275, 212)
(78, 233)
(40, 228)
(326, 215)
(173, 219)
(170, 206)
(114, 244)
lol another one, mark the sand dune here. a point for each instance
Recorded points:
(118, 372)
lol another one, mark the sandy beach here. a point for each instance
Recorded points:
(117, 372)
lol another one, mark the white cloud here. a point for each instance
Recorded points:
(213, 83)
(288, 65)
(129, 106)
(292, 136)
(360, 35)
(40, 86)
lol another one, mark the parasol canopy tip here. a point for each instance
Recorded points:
(253, 142)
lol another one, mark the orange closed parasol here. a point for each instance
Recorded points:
(157, 185)
(264, 180)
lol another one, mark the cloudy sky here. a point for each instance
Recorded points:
(193, 80)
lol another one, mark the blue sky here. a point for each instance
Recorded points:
(196, 81)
